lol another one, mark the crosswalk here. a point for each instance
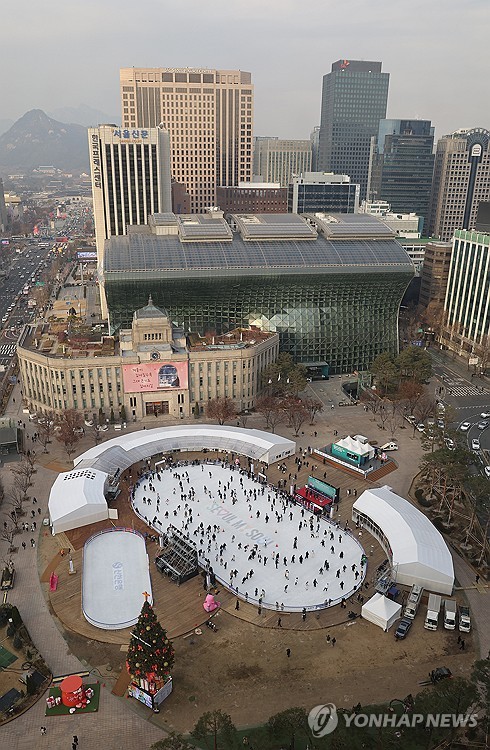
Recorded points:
(466, 390)
(8, 350)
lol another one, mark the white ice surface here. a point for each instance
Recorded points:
(115, 575)
(238, 523)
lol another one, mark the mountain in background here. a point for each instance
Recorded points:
(83, 115)
(5, 125)
(36, 139)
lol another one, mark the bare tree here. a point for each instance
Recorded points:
(296, 413)
(70, 425)
(7, 534)
(384, 412)
(314, 407)
(221, 409)
(46, 429)
(270, 407)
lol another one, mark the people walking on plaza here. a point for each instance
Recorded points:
(288, 652)
(279, 622)
(334, 641)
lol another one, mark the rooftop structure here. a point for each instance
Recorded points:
(277, 272)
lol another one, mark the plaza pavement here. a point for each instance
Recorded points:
(124, 725)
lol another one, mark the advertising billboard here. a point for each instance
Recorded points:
(154, 376)
(86, 255)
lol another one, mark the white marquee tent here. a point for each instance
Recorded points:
(417, 550)
(381, 611)
(77, 499)
(77, 496)
(127, 449)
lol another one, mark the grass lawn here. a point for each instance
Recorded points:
(62, 710)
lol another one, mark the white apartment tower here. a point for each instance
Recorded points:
(209, 116)
(130, 171)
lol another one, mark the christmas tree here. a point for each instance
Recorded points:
(150, 653)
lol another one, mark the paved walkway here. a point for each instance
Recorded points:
(116, 726)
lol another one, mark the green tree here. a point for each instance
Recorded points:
(174, 741)
(284, 377)
(150, 653)
(414, 363)
(290, 723)
(216, 730)
(385, 372)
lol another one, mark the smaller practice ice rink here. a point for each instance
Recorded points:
(259, 544)
(115, 576)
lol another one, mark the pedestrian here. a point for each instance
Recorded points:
(260, 609)
(23, 545)
(75, 739)
(462, 644)
(288, 652)
(477, 579)
(328, 639)
(43, 730)
(459, 639)
(237, 604)
(303, 614)
(334, 641)
(279, 622)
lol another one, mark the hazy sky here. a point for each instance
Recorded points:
(55, 54)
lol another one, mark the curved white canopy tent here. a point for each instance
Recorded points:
(418, 551)
(127, 449)
(77, 496)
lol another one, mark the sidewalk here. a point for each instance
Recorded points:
(116, 726)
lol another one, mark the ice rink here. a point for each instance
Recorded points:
(115, 575)
(258, 543)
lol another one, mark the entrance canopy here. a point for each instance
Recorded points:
(125, 450)
(382, 611)
(418, 551)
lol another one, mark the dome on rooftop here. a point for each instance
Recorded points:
(150, 311)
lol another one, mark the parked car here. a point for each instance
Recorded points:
(465, 426)
(475, 444)
(449, 444)
(482, 425)
(441, 424)
(421, 427)
(411, 419)
(403, 628)
(102, 428)
(487, 471)
(89, 422)
(485, 415)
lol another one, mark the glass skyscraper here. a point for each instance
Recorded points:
(403, 164)
(331, 288)
(354, 98)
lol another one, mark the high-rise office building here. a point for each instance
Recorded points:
(209, 116)
(403, 163)
(320, 192)
(130, 178)
(467, 309)
(461, 181)
(315, 147)
(354, 98)
(278, 160)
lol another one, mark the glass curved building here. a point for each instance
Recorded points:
(330, 286)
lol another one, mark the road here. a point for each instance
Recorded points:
(468, 396)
